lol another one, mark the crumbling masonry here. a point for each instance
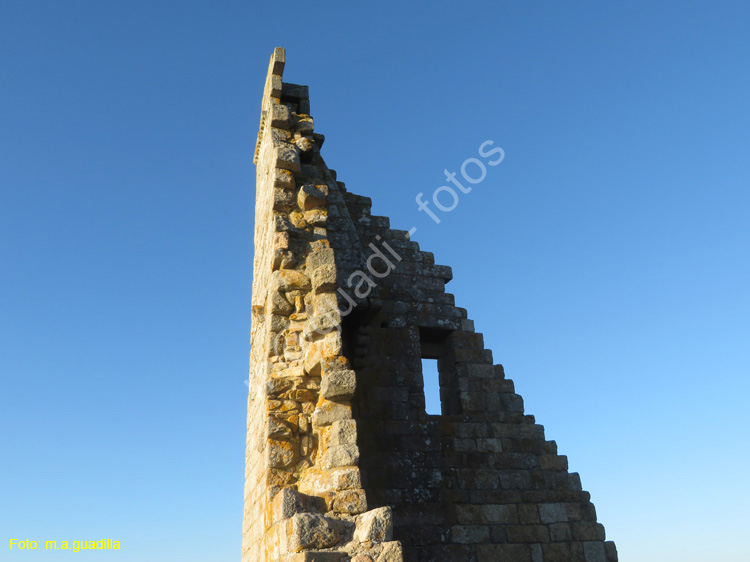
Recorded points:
(343, 462)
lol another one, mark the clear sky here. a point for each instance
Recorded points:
(605, 259)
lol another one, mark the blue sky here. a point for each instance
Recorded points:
(605, 259)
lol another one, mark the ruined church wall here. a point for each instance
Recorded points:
(343, 462)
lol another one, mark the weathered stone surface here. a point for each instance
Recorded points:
(310, 197)
(283, 178)
(280, 116)
(309, 530)
(553, 513)
(286, 156)
(344, 455)
(350, 501)
(342, 433)
(392, 552)
(286, 504)
(339, 386)
(305, 145)
(375, 526)
(279, 305)
(279, 429)
(277, 61)
(282, 453)
(560, 532)
(321, 351)
(320, 258)
(275, 83)
(276, 386)
(329, 412)
(324, 279)
(282, 199)
(316, 482)
(305, 125)
(289, 280)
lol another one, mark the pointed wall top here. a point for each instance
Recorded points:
(271, 90)
(278, 58)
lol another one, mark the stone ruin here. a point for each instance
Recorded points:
(343, 462)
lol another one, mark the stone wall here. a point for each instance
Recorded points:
(343, 462)
(304, 499)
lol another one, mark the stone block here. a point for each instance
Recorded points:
(559, 532)
(528, 513)
(478, 479)
(515, 479)
(278, 429)
(286, 504)
(350, 501)
(611, 551)
(279, 478)
(277, 61)
(282, 454)
(574, 481)
(489, 445)
(374, 526)
(280, 116)
(344, 455)
(279, 305)
(563, 552)
(286, 156)
(329, 412)
(324, 279)
(296, 91)
(528, 533)
(594, 552)
(554, 462)
(311, 197)
(536, 553)
(498, 514)
(283, 199)
(470, 534)
(587, 531)
(276, 386)
(310, 530)
(305, 124)
(282, 135)
(313, 357)
(504, 553)
(320, 257)
(342, 432)
(338, 385)
(305, 145)
(510, 403)
(275, 86)
(553, 513)
(283, 178)
(391, 552)
(285, 280)
(318, 482)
